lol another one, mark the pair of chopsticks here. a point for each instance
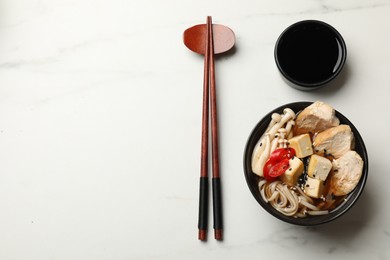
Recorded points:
(209, 84)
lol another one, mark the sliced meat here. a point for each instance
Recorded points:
(315, 118)
(347, 171)
(334, 141)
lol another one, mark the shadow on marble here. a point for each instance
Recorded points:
(351, 223)
(226, 55)
(333, 87)
(335, 236)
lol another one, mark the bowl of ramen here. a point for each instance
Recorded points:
(305, 163)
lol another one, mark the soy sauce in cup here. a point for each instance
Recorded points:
(310, 54)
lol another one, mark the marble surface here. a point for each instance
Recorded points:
(100, 118)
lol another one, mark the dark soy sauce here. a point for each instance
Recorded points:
(310, 53)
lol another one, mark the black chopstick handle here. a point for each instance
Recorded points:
(217, 206)
(203, 207)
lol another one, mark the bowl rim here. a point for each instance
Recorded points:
(313, 84)
(351, 198)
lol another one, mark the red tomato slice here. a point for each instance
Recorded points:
(279, 168)
(273, 169)
(282, 153)
(267, 168)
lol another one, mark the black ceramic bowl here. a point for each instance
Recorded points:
(309, 54)
(252, 179)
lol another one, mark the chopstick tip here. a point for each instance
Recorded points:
(218, 234)
(202, 235)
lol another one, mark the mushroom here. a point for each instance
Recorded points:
(274, 143)
(258, 165)
(263, 150)
(261, 145)
(287, 115)
(289, 126)
(275, 118)
(282, 142)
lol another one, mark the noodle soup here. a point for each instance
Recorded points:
(309, 189)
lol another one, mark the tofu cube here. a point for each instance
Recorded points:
(319, 167)
(314, 187)
(302, 145)
(291, 175)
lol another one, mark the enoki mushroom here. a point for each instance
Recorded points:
(263, 148)
(290, 201)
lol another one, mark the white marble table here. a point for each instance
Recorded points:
(100, 118)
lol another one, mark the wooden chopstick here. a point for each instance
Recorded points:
(209, 81)
(204, 182)
(217, 199)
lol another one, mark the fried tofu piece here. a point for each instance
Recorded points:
(319, 167)
(314, 188)
(302, 145)
(292, 174)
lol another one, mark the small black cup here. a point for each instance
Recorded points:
(309, 54)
